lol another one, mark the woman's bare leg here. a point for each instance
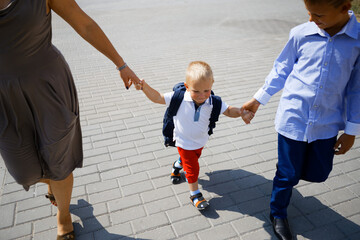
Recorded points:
(62, 191)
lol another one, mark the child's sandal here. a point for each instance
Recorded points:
(201, 204)
(175, 174)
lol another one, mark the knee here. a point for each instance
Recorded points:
(286, 180)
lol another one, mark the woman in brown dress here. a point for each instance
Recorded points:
(40, 135)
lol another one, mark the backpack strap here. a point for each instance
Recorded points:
(175, 102)
(171, 111)
(215, 113)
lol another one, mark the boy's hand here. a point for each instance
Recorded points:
(344, 143)
(246, 116)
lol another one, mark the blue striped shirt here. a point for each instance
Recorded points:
(320, 78)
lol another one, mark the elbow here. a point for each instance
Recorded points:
(86, 29)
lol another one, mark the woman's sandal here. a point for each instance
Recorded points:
(52, 199)
(66, 236)
(201, 204)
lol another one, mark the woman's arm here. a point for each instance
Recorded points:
(92, 33)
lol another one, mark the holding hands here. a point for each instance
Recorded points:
(128, 76)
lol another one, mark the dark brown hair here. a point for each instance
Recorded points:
(335, 3)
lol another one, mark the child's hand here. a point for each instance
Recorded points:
(140, 85)
(247, 116)
(344, 143)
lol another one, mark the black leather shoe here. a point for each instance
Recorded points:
(281, 228)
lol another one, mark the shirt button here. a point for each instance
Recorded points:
(316, 106)
(321, 86)
(330, 40)
(326, 64)
(310, 123)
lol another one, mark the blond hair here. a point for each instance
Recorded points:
(199, 70)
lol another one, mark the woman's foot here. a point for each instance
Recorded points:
(67, 236)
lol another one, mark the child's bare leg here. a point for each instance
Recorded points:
(194, 186)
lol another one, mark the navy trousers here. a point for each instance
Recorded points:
(299, 160)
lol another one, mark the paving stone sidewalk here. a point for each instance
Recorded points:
(124, 190)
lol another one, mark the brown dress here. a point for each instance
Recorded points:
(40, 135)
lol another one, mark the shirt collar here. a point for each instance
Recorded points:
(188, 98)
(350, 29)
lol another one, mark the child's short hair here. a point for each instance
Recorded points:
(335, 3)
(199, 70)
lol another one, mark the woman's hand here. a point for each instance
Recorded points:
(129, 77)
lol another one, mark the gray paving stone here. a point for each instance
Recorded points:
(339, 181)
(157, 194)
(338, 196)
(101, 186)
(142, 224)
(86, 179)
(127, 214)
(249, 223)
(115, 173)
(165, 232)
(219, 232)
(92, 225)
(120, 231)
(16, 231)
(45, 224)
(7, 215)
(33, 214)
(191, 225)
(265, 233)
(349, 226)
(161, 205)
(144, 166)
(124, 202)
(348, 208)
(104, 196)
(133, 178)
(328, 232)
(137, 188)
(50, 234)
(12, 187)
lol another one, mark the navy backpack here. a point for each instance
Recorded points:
(168, 123)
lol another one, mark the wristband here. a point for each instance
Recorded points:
(122, 67)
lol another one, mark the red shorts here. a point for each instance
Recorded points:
(190, 162)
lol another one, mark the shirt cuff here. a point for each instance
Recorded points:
(262, 96)
(352, 128)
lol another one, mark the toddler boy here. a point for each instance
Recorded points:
(192, 122)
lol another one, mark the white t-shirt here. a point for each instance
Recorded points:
(191, 133)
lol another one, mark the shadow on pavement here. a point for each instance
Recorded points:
(90, 224)
(249, 194)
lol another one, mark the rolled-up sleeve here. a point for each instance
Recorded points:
(353, 100)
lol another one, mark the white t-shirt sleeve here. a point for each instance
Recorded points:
(167, 97)
(224, 106)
